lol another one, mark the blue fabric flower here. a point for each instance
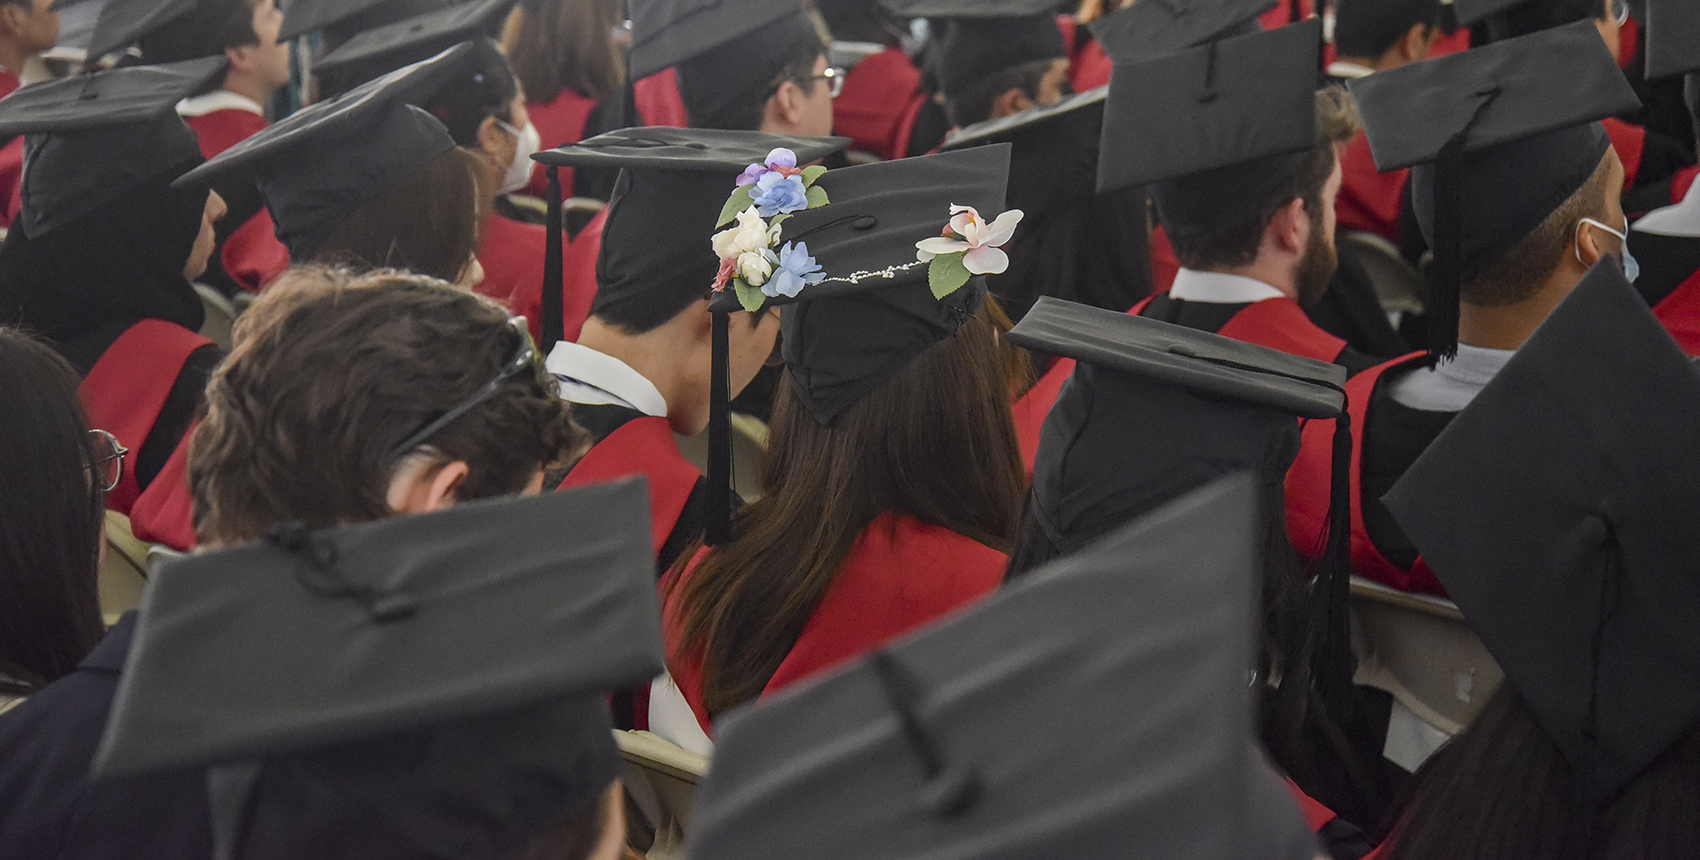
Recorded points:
(775, 193)
(795, 271)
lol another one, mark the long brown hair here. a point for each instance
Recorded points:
(935, 441)
(565, 43)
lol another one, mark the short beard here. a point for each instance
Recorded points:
(1314, 270)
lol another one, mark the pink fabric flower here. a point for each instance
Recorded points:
(781, 160)
(977, 241)
(728, 267)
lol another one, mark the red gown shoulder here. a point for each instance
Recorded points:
(900, 574)
(1630, 140)
(1680, 314)
(1031, 408)
(1308, 485)
(220, 130)
(560, 120)
(876, 96)
(658, 100)
(127, 388)
(1281, 324)
(512, 257)
(1369, 199)
(642, 446)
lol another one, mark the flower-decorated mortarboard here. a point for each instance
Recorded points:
(667, 201)
(727, 52)
(91, 138)
(886, 269)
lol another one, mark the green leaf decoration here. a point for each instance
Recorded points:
(946, 274)
(750, 297)
(810, 174)
(817, 197)
(738, 202)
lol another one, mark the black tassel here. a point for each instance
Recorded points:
(1441, 311)
(718, 529)
(552, 326)
(1333, 668)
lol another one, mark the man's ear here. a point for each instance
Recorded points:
(12, 18)
(1589, 245)
(1289, 228)
(786, 104)
(1416, 42)
(423, 487)
(491, 138)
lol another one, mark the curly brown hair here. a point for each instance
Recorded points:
(331, 370)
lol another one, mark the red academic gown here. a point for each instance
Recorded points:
(578, 278)
(512, 257)
(559, 121)
(642, 445)
(900, 574)
(658, 100)
(11, 159)
(1308, 488)
(126, 390)
(251, 255)
(1630, 141)
(1031, 408)
(1278, 323)
(1369, 199)
(874, 102)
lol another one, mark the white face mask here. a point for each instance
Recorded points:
(519, 170)
(1631, 266)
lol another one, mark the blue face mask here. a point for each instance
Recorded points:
(1631, 267)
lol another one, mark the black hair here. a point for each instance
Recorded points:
(796, 65)
(51, 517)
(1502, 789)
(488, 90)
(975, 104)
(1535, 17)
(1370, 28)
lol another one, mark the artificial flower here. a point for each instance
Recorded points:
(728, 268)
(973, 238)
(755, 266)
(750, 233)
(782, 161)
(776, 194)
(795, 271)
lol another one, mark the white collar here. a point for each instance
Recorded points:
(1450, 385)
(1683, 219)
(1343, 69)
(1192, 285)
(218, 100)
(594, 378)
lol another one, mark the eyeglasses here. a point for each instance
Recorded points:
(833, 76)
(106, 467)
(523, 359)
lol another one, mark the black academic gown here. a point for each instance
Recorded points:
(49, 810)
(1395, 435)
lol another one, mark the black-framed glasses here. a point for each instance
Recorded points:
(523, 359)
(106, 467)
(833, 76)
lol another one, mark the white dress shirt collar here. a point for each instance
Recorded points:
(218, 100)
(593, 378)
(1192, 285)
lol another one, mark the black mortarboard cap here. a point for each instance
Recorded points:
(1145, 31)
(185, 29)
(726, 51)
(1498, 137)
(1213, 126)
(874, 311)
(93, 137)
(977, 39)
(668, 197)
(310, 639)
(1155, 410)
(342, 18)
(325, 160)
(1673, 38)
(1508, 19)
(382, 49)
(951, 742)
(1574, 560)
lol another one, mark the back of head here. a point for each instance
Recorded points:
(728, 86)
(1534, 17)
(208, 29)
(485, 88)
(50, 518)
(428, 222)
(330, 371)
(1370, 28)
(1216, 218)
(555, 44)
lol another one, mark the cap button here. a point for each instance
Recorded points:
(1594, 530)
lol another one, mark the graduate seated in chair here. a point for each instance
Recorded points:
(1536, 205)
(1250, 214)
(344, 400)
(227, 110)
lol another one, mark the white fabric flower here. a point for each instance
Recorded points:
(755, 267)
(979, 243)
(749, 234)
